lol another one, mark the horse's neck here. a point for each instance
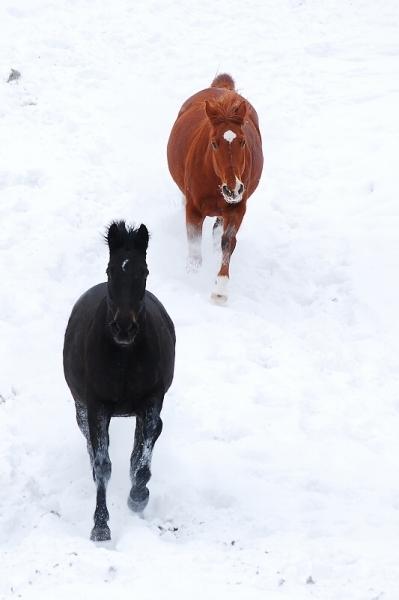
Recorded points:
(200, 143)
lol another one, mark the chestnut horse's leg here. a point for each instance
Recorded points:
(194, 222)
(98, 420)
(231, 224)
(217, 233)
(148, 429)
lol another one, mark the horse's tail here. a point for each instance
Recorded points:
(223, 81)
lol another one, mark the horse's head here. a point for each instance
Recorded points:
(127, 274)
(227, 142)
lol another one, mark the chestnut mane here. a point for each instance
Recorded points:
(225, 109)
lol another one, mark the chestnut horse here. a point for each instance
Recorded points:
(215, 157)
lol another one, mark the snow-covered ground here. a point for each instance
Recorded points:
(277, 473)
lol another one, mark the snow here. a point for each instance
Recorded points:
(277, 472)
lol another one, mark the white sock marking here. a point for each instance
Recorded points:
(221, 285)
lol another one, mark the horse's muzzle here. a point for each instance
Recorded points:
(233, 196)
(124, 334)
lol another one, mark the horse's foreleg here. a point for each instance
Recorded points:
(231, 225)
(98, 421)
(217, 233)
(194, 222)
(148, 429)
(83, 422)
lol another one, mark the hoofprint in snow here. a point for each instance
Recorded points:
(277, 471)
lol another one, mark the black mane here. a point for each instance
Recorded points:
(121, 236)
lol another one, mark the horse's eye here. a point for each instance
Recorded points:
(242, 143)
(214, 144)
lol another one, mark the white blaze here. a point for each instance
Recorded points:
(229, 136)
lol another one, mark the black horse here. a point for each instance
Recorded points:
(119, 354)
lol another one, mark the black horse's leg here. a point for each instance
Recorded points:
(98, 420)
(83, 422)
(148, 429)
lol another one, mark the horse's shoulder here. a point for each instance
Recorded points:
(87, 304)
(153, 304)
(156, 310)
(97, 291)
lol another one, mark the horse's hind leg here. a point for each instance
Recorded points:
(148, 429)
(98, 421)
(194, 222)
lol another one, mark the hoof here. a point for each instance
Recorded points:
(100, 534)
(219, 294)
(220, 299)
(137, 501)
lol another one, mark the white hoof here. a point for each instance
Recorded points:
(219, 294)
(219, 299)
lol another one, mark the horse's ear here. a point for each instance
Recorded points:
(141, 239)
(211, 111)
(113, 236)
(240, 110)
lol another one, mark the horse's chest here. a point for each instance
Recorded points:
(212, 206)
(127, 380)
(125, 383)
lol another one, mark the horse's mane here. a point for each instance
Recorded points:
(224, 109)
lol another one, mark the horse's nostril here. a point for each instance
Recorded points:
(132, 328)
(115, 327)
(124, 330)
(227, 191)
(241, 189)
